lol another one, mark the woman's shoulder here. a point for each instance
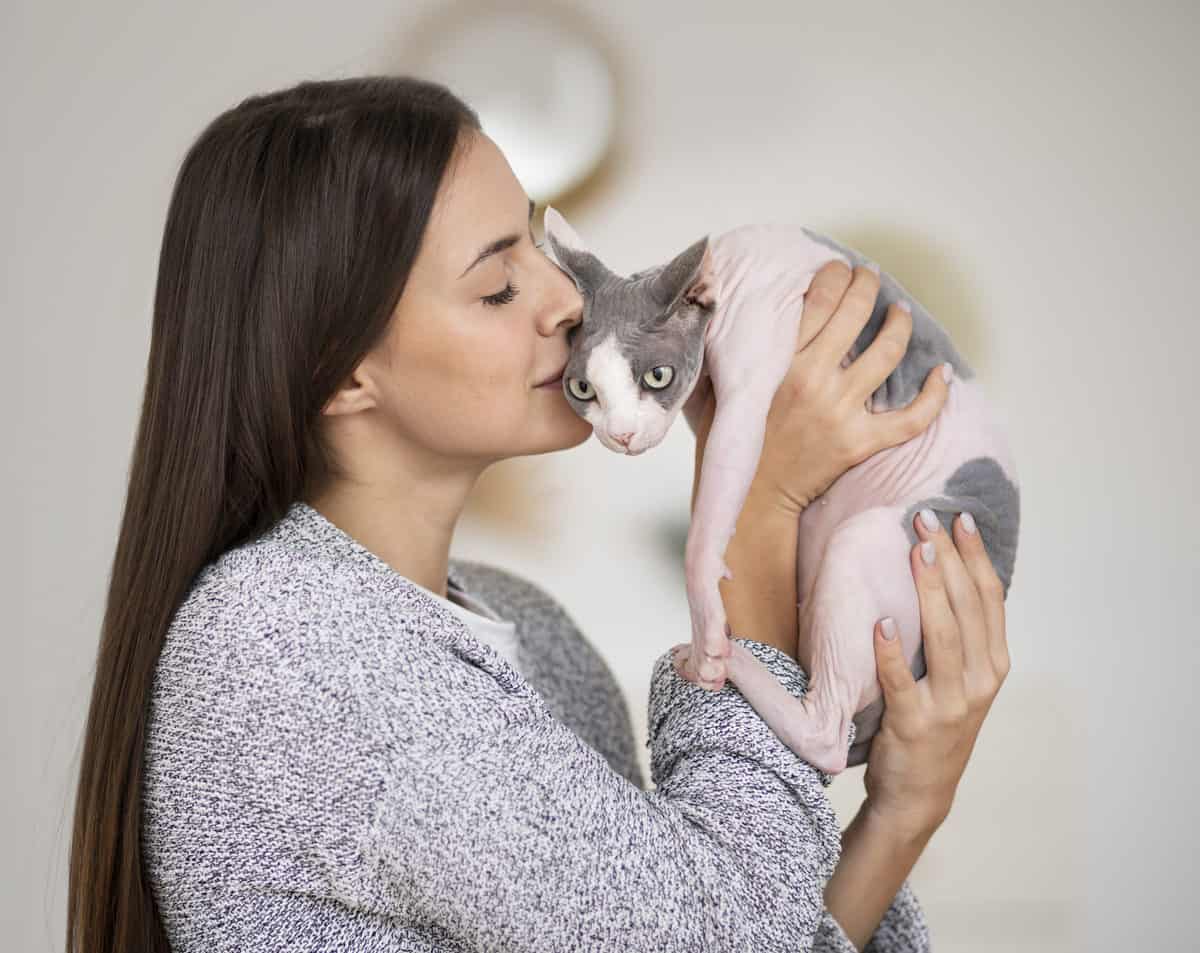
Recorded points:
(305, 573)
(264, 582)
(303, 604)
(278, 621)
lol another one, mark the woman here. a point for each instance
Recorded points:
(300, 736)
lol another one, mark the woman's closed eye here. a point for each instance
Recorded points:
(502, 297)
(509, 291)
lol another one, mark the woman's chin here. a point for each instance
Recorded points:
(578, 431)
(573, 431)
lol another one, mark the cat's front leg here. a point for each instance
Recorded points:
(730, 460)
(706, 665)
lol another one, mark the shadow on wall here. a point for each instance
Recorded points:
(931, 272)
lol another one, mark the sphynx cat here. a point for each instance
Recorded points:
(729, 308)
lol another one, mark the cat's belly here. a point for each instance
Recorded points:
(930, 465)
(964, 429)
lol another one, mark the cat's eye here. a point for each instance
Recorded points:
(580, 389)
(659, 377)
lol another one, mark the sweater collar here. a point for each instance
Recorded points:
(304, 526)
(304, 530)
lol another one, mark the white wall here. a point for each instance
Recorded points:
(1027, 170)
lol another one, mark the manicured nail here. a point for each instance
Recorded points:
(889, 628)
(968, 522)
(947, 372)
(871, 266)
(928, 552)
(930, 521)
(904, 306)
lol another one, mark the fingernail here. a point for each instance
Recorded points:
(927, 552)
(968, 522)
(889, 628)
(871, 266)
(930, 521)
(947, 372)
(904, 306)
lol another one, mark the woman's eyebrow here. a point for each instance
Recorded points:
(498, 245)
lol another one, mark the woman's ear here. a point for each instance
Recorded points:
(355, 393)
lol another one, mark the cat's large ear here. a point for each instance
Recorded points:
(690, 277)
(568, 251)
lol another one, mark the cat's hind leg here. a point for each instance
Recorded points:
(864, 575)
(809, 727)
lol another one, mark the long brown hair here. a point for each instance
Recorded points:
(293, 225)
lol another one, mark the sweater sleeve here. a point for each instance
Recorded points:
(512, 833)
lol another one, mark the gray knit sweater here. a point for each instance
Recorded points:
(334, 762)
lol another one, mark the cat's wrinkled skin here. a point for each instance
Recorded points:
(729, 309)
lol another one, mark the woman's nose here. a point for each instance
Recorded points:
(567, 303)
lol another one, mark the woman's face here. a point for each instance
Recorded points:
(482, 320)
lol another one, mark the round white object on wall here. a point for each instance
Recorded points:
(544, 90)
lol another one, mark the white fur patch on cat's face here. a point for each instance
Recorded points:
(621, 406)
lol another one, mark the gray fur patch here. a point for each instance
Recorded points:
(981, 488)
(928, 346)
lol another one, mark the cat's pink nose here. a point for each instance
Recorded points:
(623, 439)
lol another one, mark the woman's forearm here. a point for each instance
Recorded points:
(876, 859)
(760, 599)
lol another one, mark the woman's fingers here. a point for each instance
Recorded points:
(893, 427)
(895, 677)
(883, 355)
(991, 594)
(966, 604)
(849, 318)
(939, 628)
(822, 298)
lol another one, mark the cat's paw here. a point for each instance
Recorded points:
(684, 659)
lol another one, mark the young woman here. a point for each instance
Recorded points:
(311, 729)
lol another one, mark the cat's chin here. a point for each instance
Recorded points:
(617, 448)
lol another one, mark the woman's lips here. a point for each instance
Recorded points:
(549, 385)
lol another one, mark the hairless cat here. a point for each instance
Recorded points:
(729, 309)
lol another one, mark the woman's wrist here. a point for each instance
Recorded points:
(877, 857)
(917, 824)
(760, 599)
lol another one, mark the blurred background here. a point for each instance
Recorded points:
(1026, 170)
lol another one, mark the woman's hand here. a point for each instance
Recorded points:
(929, 726)
(820, 423)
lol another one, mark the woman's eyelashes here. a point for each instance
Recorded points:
(502, 297)
(510, 290)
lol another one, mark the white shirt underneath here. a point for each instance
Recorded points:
(482, 620)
